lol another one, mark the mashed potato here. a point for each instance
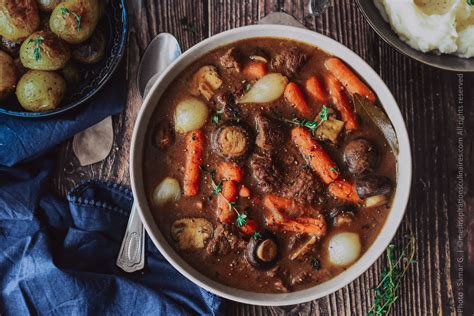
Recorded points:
(440, 26)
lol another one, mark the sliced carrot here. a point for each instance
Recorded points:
(249, 228)
(228, 195)
(348, 78)
(318, 158)
(341, 102)
(308, 225)
(244, 191)
(344, 190)
(255, 70)
(315, 89)
(230, 171)
(294, 95)
(193, 160)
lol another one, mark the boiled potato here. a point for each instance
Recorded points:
(44, 51)
(72, 74)
(92, 50)
(75, 20)
(190, 114)
(344, 248)
(18, 19)
(48, 5)
(40, 90)
(8, 75)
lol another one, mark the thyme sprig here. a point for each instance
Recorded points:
(217, 190)
(66, 11)
(311, 125)
(386, 290)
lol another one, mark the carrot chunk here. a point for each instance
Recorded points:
(249, 228)
(294, 95)
(230, 171)
(227, 196)
(344, 190)
(311, 226)
(315, 89)
(255, 70)
(318, 158)
(192, 173)
(348, 78)
(341, 102)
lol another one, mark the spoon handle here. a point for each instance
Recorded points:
(131, 257)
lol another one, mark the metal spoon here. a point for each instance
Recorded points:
(159, 54)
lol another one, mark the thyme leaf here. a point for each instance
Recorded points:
(323, 115)
(241, 219)
(256, 235)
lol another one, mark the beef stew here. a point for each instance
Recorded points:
(259, 171)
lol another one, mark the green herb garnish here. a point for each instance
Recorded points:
(241, 219)
(188, 26)
(386, 290)
(470, 2)
(333, 169)
(315, 264)
(305, 123)
(217, 189)
(256, 235)
(323, 115)
(37, 50)
(215, 119)
(66, 11)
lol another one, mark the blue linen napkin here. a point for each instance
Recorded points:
(58, 257)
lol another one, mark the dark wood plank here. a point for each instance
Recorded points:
(427, 98)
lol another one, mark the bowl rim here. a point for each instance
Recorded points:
(117, 59)
(403, 47)
(403, 182)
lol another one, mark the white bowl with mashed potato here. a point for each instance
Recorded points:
(439, 33)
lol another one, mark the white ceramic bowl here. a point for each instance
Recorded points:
(388, 102)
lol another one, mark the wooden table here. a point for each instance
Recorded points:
(427, 98)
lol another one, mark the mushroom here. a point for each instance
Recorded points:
(191, 232)
(373, 185)
(262, 252)
(360, 156)
(231, 140)
(341, 215)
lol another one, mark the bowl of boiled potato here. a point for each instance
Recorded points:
(56, 54)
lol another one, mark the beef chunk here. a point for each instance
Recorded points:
(289, 61)
(224, 242)
(302, 186)
(265, 171)
(231, 60)
(290, 181)
(270, 132)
